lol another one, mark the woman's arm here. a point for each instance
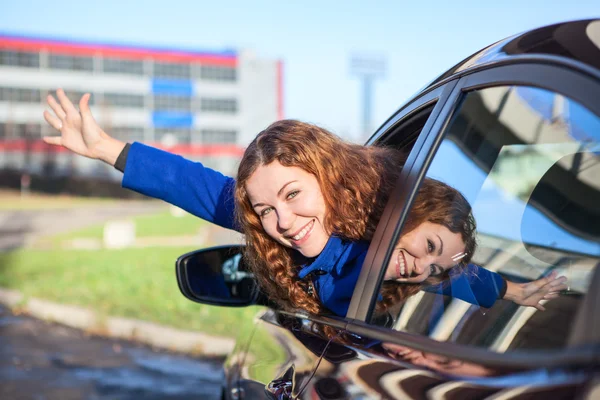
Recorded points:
(481, 286)
(199, 190)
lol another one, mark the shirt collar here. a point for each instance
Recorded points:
(335, 255)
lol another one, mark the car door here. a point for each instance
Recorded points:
(522, 144)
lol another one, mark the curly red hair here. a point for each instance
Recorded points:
(355, 182)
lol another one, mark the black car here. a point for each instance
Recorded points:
(516, 129)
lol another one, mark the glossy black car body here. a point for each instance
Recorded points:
(551, 355)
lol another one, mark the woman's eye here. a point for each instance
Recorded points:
(293, 194)
(266, 211)
(430, 246)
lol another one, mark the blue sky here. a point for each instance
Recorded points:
(315, 39)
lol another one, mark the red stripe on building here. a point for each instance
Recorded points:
(76, 49)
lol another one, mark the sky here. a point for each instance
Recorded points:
(314, 39)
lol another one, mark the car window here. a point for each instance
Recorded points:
(526, 160)
(404, 136)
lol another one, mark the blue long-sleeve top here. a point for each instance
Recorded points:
(208, 194)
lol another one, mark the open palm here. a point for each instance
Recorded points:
(78, 129)
(532, 293)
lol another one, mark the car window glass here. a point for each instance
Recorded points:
(527, 162)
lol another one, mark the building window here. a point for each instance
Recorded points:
(113, 65)
(71, 63)
(74, 96)
(227, 106)
(218, 136)
(20, 95)
(124, 100)
(19, 59)
(171, 70)
(172, 103)
(172, 136)
(127, 133)
(20, 131)
(217, 73)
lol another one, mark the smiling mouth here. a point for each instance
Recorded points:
(303, 233)
(401, 267)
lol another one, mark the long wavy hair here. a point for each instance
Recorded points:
(355, 182)
(438, 203)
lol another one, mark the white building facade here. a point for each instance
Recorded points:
(204, 105)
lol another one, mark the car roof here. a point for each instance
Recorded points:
(574, 42)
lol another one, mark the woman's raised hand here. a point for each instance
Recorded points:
(79, 131)
(532, 293)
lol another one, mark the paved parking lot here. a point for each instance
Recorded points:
(44, 361)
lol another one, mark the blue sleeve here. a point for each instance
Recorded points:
(475, 285)
(199, 190)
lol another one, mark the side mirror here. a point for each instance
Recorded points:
(216, 276)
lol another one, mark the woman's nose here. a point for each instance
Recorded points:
(421, 264)
(285, 219)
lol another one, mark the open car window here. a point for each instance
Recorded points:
(526, 160)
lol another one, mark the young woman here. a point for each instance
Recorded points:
(307, 201)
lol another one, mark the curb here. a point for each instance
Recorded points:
(155, 335)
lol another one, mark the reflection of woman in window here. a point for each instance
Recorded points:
(439, 235)
(438, 241)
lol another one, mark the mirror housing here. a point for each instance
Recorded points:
(217, 276)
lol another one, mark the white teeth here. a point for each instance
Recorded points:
(402, 265)
(303, 232)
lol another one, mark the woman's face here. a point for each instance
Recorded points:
(290, 205)
(428, 250)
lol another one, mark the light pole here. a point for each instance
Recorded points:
(367, 68)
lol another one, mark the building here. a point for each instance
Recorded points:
(205, 105)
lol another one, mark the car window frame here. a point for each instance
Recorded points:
(565, 80)
(439, 96)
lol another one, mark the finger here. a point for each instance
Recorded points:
(558, 288)
(540, 307)
(84, 107)
(559, 281)
(551, 296)
(57, 108)
(540, 283)
(550, 285)
(552, 274)
(53, 140)
(550, 277)
(65, 102)
(52, 120)
(562, 278)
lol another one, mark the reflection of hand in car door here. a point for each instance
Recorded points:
(436, 362)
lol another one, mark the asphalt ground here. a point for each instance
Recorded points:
(46, 361)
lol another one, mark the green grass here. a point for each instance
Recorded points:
(165, 224)
(133, 283)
